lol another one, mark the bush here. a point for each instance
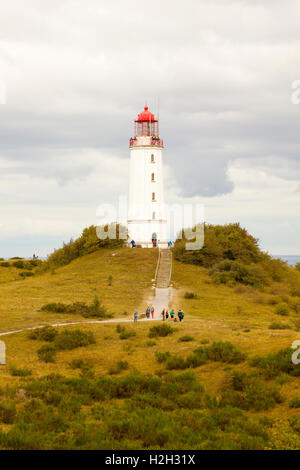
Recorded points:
(294, 403)
(72, 339)
(24, 274)
(87, 243)
(274, 364)
(55, 307)
(176, 363)
(160, 331)
(79, 363)
(219, 352)
(47, 333)
(186, 338)
(234, 271)
(222, 352)
(19, 264)
(7, 413)
(46, 353)
(190, 295)
(248, 394)
(96, 309)
(20, 372)
(5, 264)
(118, 367)
(278, 326)
(282, 309)
(229, 241)
(162, 357)
(126, 334)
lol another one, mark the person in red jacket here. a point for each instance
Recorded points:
(152, 311)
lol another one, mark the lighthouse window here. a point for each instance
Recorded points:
(152, 177)
(153, 215)
(152, 158)
(153, 196)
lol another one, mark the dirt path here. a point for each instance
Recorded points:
(81, 322)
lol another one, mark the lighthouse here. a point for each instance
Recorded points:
(147, 224)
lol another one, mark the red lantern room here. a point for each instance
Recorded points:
(146, 125)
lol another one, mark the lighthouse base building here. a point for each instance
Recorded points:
(147, 223)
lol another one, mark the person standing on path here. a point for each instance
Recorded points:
(135, 316)
(167, 315)
(148, 312)
(163, 315)
(172, 314)
(152, 312)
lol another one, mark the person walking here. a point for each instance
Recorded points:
(172, 313)
(152, 312)
(163, 314)
(135, 316)
(167, 315)
(148, 312)
(180, 315)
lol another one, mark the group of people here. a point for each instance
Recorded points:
(165, 314)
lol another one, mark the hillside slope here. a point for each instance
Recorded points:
(132, 272)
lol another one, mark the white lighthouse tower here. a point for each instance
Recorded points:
(147, 224)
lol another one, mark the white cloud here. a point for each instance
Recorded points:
(78, 73)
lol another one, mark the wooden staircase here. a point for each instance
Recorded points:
(164, 268)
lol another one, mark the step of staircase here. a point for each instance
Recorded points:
(164, 268)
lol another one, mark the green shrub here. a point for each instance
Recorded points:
(79, 363)
(204, 341)
(87, 243)
(190, 295)
(160, 331)
(278, 326)
(47, 333)
(162, 357)
(186, 338)
(221, 242)
(234, 271)
(219, 352)
(72, 339)
(282, 309)
(222, 351)
(19, 264)
(253, 397)
(24, 274)
(118, 367)
(274, 364)
(7, 413)
(120, 328)
(96, 309)
(126, 334)
(46, 353)
(19, 371)
(5, 264)
(294, 403)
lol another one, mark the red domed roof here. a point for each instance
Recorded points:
(146, 116)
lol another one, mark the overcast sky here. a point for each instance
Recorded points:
(78, 73)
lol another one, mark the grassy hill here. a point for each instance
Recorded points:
(223, 379)
(132, 272)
